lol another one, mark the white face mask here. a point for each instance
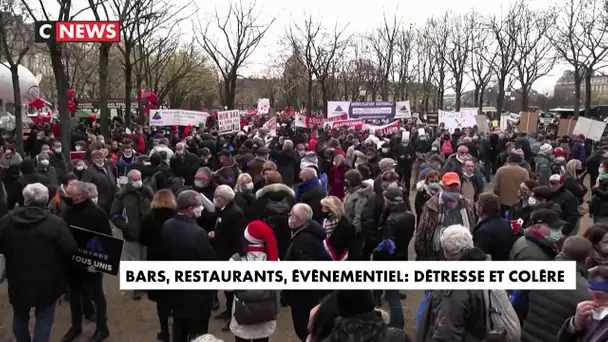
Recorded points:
(137, 184)
(216, 203)
(128, 154)
(248, 186)
(100, 164)
(78, 148)
(58, 150)
(95, 199)
(385, 150)
(198, 210)
(199, 184)
(80, 167)
(44, 162)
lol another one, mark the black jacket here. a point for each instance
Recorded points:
(27, 179)
(161, 172)
(313, 197)
(398, 224)
(105, 182)
(245, 200)
(287, 165)
(569, 205)
(368, 326)
(152, 232)
(343, 237)
(229, 231)
(599, 200)
(494, 236)
(38, 247)
(185, 166)
(276, 193)
(184, 240)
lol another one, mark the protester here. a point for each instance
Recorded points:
(507, 181)
(492, 234)
(100, 174)
(310, 192)
(37, 247)
(244, 196)
(341, 242)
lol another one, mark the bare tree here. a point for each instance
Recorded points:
(461, 30)
(402, 71)
(537, 56)
(15, 42)
(480, 63)
(439, 31)
(383, 42)
(242, 31)
(426, 66)
(505, 31)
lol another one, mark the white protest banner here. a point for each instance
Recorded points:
(271, 125)
(591, 129)
(386, 129)
(300, 120)
(228, 121)
(177, 117)
(453, 120)
(338, 108)
(403, 110)
(263, 106)
(482, 123)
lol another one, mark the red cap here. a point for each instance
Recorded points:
(260, 233)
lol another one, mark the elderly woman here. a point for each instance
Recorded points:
(244, 196)
(465, 309)
(340, 242)
(572, 179)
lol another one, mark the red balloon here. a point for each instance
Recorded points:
(37, 103)
(70, 94)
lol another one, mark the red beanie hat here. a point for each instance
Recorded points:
(259, 233)
(559, 152)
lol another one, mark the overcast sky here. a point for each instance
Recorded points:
(361, 17)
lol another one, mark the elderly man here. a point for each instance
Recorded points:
(455, 162)
(310, 192)
(131, 205)
(32, 237)
(184, 164)
(288, 162)
(184, 240)
(45, 169)
(306, 245)
(57, 159)
(228, 233)
(83, 213)
(93, 193)
(100, 174)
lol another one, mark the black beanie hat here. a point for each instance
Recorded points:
(355, 302)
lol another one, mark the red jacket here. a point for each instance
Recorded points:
(312, 144)
(335, 180)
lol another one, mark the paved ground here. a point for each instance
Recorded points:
(135, 321)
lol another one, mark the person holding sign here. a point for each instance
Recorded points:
(85, 214)
(36, 274)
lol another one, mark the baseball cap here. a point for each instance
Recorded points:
(450, 178)
(387, 162)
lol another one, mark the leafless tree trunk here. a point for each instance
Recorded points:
(403, 68)
(461, 30)
(383, 42)
(242, 31)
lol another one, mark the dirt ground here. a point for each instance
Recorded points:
(135, 321)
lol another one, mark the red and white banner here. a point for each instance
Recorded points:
(356, 124)
(309, 122)
(386, 129)
(271, 125)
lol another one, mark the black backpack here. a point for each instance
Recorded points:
(276, 213)
(254, 306)
(150, 182)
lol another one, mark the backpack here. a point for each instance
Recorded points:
(150, 182)
(277, 212)
(502, 323)
(254, 306)
(446, 147)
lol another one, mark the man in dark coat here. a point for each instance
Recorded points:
(83, 213)
(228, 233)
(184, 240)
(28, 176)
(568, 203)
(287, 161)
(184, 164)
(310, 191)
(37, 246)
(99, 173)
(306, 245)
(492, 234)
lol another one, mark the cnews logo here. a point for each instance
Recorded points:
(77, 31)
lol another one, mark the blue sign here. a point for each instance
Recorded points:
(372, 110)
(98, 250)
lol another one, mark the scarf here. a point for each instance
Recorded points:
(440, 226)
(306, 186)
(544, 236)
(329, 225)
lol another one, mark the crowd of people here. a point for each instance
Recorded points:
(182, 194)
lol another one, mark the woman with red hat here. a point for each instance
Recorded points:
(254, 319)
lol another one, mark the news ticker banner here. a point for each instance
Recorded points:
(351, 275)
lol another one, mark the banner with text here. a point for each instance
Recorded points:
(229, 121)
(177, 117)
(372, 110)
(337, 108)
(271, 125)
(98, 250)
(302, 120)
(263, 106)
(386, 129)
(453, 120)
(403, 110)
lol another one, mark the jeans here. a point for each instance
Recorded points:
(42, 329)
(93, 284)
(394, 308)
(135, 252)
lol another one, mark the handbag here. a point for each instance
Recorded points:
(254, 306)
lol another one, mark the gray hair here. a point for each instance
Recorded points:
(303, 211)
(91, 188)
(187, 199)
(205, 170)
(456, 239)
(225, 192)
(134, 172)
(180, 146)
(82, 189)
(288, 144)
(35, 194)
(207, 338)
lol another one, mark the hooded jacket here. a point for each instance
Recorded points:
(37, 246)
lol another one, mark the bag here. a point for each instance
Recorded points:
(150, 182)
(254, 306)
(502, 323)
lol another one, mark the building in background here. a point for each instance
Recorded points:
(564, 89)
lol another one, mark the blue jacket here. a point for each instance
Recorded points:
(578, 151)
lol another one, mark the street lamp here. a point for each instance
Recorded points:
(362, 93)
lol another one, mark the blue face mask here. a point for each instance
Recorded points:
(450, 196)
(556, 235)
(531, 201)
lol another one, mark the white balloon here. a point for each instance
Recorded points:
(28, 84)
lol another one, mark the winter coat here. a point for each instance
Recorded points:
(229, 230)
(455, 315)
(227, 175)
(151, 237)
(288, 165)
(598, 206)
(342, 238)
(368, 326)
(57, 160)
(494, 236)
(428, 223)
(245, 200)
(124, 164)
(104, 179)
(311, 192)
(24, 181)
(398, 225)
(129, 209)
(185, 166)
(50, 173)
(276, 193)
(548, 309)
(542, 168)
(162, 173)
(569, 205)
(355, 201)
(254, 331)
(37, 247)
(335, 179)
(183, 240)
(422, 196)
